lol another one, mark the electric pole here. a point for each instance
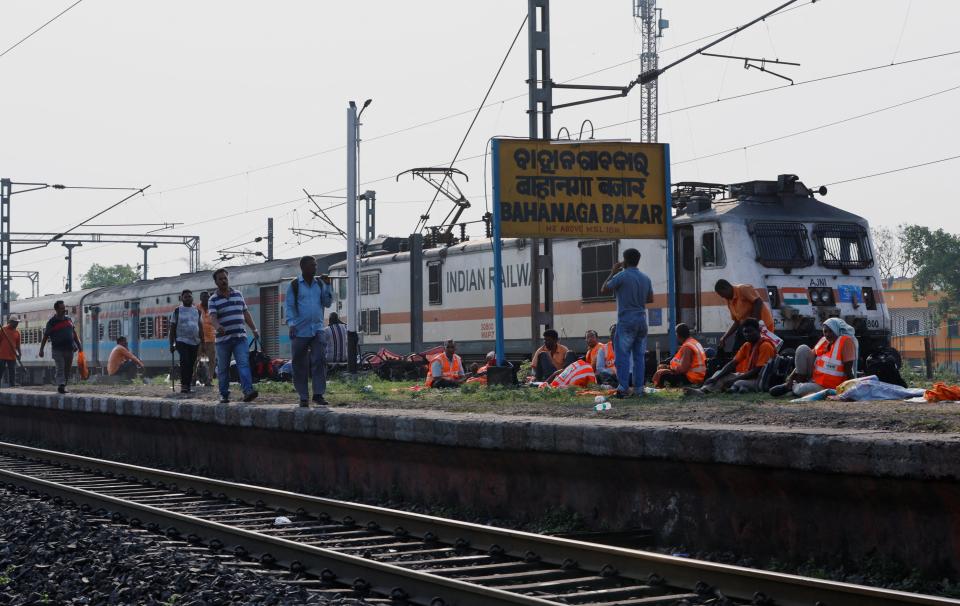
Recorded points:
(70, 246)
(540, 108)
(651, 28)
(352, 311)
(145, 248)
(269, 238)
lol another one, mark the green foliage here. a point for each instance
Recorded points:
(5, 575)
(936, 254)
(99, 276)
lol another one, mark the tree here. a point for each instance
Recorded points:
(936, 255)
(113, 275)
(891, 258)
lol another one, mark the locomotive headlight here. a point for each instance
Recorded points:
(815, 296)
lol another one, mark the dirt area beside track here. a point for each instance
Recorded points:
(667, 405)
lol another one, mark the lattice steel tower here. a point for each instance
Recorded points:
(651, 28)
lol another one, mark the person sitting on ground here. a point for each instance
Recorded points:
(688, 366)
(593, 348)
(607, 361)
(478, 372)
(551, 357)
(743, 302)
(829, 363)
(446, 369)
(742, 373)
(122, 363)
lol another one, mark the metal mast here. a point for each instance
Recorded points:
(651, 28)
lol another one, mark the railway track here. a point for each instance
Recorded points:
(394, 557)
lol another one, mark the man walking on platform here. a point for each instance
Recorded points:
(228, 313)
(63, 341)
(307, 296)
(186, 337)
(9, 351)
(634, 291)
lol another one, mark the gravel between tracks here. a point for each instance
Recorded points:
(53, 555)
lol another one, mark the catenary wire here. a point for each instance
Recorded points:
(895, 170)
(31, 34)
(476, 115)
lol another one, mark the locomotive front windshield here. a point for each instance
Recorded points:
(842, 246)
(782, 244)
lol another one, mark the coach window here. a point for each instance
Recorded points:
(146, 327)
(370, 283)
(435, 283)
(370, 321)
(114, 330)
(711, 249)
(161, 327)
(596, 263)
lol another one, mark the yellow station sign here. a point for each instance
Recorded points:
(590, 189)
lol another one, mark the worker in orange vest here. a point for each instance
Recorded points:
(593, 348)
(606, 361)
(829, 363)
(446, 369)
(742, 373)
(688, 366)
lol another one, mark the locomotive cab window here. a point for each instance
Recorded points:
(711, 249)
(842, 246)
(435, 283)
(596, 263)
(784, 245)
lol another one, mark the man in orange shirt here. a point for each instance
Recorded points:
(742, 373)
(593, 348)
(743, 302)
(122, 362)
(9, 350)
(551, 357)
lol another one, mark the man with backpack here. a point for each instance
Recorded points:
(186, 337)
(307, 297)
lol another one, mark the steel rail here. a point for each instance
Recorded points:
(733, 582)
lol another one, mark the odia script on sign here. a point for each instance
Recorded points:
(581, 190)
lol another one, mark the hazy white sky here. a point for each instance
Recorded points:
(230, 108)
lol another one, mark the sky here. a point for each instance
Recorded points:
(228, 110)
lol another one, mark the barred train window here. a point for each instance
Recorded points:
(370, 283)
(435, 283)
(783, 245)
(161, 327)
(842, 245)
(370, 321)
(114, 330)
(596, 262)
(146, 327)
(100, 331)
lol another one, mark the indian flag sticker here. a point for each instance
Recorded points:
(795, 296)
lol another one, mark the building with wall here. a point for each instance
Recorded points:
(914, 320)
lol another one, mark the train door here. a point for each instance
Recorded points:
(687, 277)
(94, 347)
(270, 320)
(133, 329)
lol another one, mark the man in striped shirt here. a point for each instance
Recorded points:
(228, 312)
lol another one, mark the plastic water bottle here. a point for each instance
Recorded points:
(650, 390)
(368, 388)
(601, 406)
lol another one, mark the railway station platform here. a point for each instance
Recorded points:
(770, 491)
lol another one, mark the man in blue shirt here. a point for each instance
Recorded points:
(228, 314)
(634, 291)
(307, 296)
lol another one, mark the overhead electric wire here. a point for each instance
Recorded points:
(109, 208)
(476, 115)
(820, 127)
(787, 86)
(895, 170)
(31, 34)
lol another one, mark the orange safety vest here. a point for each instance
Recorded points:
(698, 368)
(592, 353)
(828, 368)
(609, 358)
(450, 370)
(579, 373)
